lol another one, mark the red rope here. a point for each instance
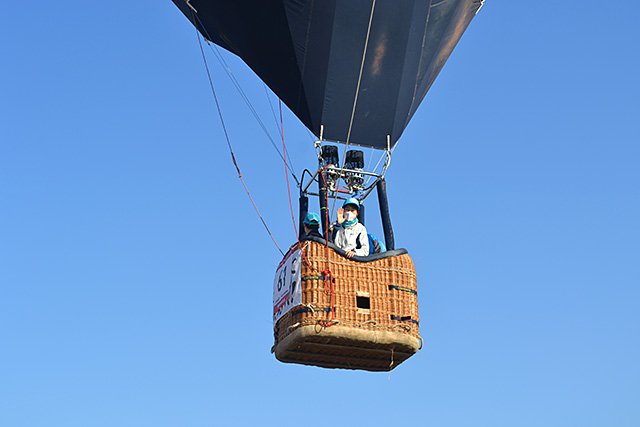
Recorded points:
(233, 157)
(327, 272)
(286, 172)
(328, 277)
(293, 218)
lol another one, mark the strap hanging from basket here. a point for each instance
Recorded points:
(322, 276)
(402, 288)
(405, 319)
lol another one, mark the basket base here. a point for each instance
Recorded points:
(346, 347)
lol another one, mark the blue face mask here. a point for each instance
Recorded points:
(347, 224)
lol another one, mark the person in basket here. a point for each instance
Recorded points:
(349, 234)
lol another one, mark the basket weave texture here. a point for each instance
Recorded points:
(366, 302)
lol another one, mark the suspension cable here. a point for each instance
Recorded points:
(243, 95)
(273, 112)
(355, 99)
(326, 274)
(233, 157)
(293, 218)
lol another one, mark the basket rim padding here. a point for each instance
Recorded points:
(359, 258)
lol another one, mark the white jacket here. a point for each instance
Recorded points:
(347, 238)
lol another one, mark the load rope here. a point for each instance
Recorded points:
(238, 87)
(224, 128)
(327, 272)
(355, 99)
(327, 275)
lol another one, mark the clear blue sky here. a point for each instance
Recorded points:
(135, 277)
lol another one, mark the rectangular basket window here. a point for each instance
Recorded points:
(363, 302)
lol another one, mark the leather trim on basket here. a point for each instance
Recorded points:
(368, 258)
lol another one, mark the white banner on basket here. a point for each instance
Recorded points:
(286, 285)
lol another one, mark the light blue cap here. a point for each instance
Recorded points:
(312, 218)
(352, 201)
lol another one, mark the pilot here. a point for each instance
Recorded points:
(350, 235)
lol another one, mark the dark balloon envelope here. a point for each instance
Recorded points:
(358, 68)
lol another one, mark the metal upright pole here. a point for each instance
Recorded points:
(322, 195)
(384, 213)
(304, 208)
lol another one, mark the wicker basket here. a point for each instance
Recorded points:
(353, 315)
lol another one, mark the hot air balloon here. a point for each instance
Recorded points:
(353, 72)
